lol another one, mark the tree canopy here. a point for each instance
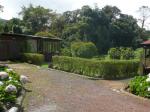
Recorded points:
(106, 27)
(37, 18)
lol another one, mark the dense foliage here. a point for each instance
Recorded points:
(106, 28)
(114, 53)
(36, 18)
(66, 52)
(83, 49)
(107, 69)
(122, 53)
(45, 34)
(33, 58)
(140, 86)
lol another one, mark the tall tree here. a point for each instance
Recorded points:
(6, 29)
(37, 18)
(124, 31)
(144, 12)
(14, 22)
(106, 27)
(1, 8)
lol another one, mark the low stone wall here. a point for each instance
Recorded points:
(18, 106)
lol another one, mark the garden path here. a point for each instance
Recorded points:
(56, 91)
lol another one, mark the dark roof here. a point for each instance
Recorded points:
(30, 36)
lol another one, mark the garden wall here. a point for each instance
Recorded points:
(107, 69)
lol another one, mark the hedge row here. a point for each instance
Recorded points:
(33, 58)
(107, 69)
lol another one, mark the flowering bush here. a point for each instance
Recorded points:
(140, 86)
(10, 85)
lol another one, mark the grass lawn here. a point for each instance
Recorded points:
(45, 65)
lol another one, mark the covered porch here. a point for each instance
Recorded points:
(146, 57)
(13, 45)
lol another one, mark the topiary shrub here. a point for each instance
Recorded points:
(107, 69)
(127, 53)
(114, 53)
(33, 58)
(124, 53)
(83, 49)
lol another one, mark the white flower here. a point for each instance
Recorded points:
(9, 70)
(3, 75)
(149, 75)
(148, 79)
(13, 109)
(148, 89)
(10, 78)
(24, 79)
(1, 83)
(11, 88)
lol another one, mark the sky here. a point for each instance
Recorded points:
(13, 7)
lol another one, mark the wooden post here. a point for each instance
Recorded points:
(145, 56)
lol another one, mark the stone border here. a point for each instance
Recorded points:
(19, 102)
(124, 90)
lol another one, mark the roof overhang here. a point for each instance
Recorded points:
(11, 35)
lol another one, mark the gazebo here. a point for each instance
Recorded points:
(146, 57)
(13, 45)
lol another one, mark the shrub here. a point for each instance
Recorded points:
(138, 53)
(33, 58)
(66, 52)
(109, 69)
(127, 53)
(114, 53)
(13, 79)
(83, 49)
(139, 86)
(124, 53)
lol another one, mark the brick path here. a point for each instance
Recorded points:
(54, 91)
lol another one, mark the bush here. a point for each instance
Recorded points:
(7, 98)
(139, 86)
(124, 53)
(66, 52)
(33, 58)
(109, 69)
(127, 53)
(138, 53)
(114, 53)
(83, 49)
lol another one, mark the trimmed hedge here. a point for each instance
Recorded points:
(107, 69)
(33, 58)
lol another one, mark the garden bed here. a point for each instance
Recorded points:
(139, 87)
(11, 90)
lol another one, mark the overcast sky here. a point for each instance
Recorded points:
(12, 7)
